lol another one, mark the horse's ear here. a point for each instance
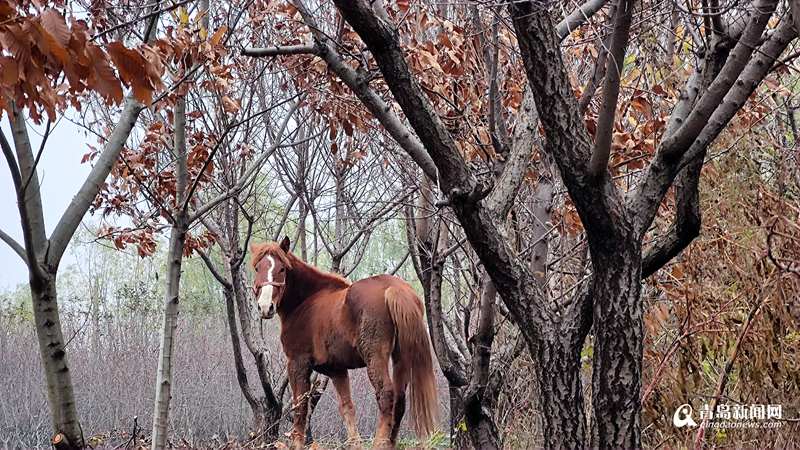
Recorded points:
(285, 244)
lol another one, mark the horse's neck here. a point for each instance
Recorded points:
(307, 281)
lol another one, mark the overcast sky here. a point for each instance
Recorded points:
(60, 174)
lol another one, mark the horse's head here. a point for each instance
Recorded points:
(270, 262)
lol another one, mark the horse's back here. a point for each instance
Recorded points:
(367, 296)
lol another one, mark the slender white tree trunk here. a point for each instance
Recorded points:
(169, 325)
(174, 260)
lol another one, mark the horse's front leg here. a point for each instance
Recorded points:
(299, 373)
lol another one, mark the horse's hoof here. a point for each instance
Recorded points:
(384, 445)
(353, 444)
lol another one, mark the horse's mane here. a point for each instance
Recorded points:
(269, 248)
(292, 262)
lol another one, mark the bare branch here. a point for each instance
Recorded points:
(666, 165)
(608, 108)
(687, 221)
(18, 249)
(279, 50)
(38, 154)
(526, 136)
(213, 269)
(29, 201)
(708, 102)
(251, 171)
(578, 17)
(151, 15)
(80, 204)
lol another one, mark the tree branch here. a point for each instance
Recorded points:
(598, 165)
(251, 171)
(669, 160)
(578, 17)
(213, 269)
(600, 207)
(358, 83)
(18, 249)
(381, 38)
(279, 50)
(687, 220)
(525, 139)
(80, 204)
(708, 102)
(29, 202)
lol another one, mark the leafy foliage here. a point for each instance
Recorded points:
(49, 60)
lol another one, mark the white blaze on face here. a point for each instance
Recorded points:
(265, 299)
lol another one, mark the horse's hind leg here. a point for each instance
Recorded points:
(401, 375)
(378, 371)
(342, 384)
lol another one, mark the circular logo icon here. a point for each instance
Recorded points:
(683, 416)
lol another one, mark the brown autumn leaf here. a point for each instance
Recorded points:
(642, 105)
(9, 71)
(230, 105)
(53, 23)
(103, 80)
(51, 46)
(17, 42)
(216, 38)
(132, 68)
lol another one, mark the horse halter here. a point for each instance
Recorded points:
(257, 286)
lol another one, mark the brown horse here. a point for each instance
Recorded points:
(331, 326)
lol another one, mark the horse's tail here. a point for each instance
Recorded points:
(406, 311)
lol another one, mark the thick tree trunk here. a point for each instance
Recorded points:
(617, 362)
(54, 359)
(560, 393)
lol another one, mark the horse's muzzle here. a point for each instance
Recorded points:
(270, 313)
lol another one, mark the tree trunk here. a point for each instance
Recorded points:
(560, 392)
(54, 359)
(267, 409)
(459, 437)
(265, 417)
(169, 325)
(617, 361)
(177, 240)
(483, 433)
(479, 403)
